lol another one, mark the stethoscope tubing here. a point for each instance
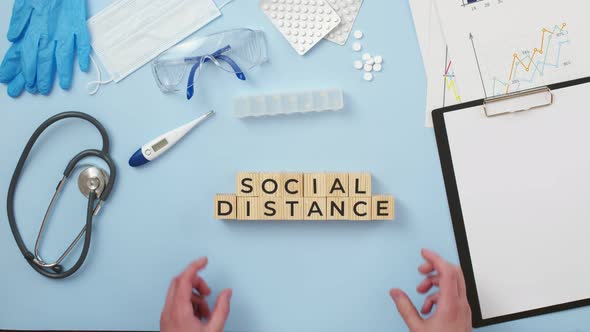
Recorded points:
(56, 273)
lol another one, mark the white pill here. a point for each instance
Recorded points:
(358, 64)
(357, 47)
(379, 59)
(368, 67)
(366, 56)
(368, 77)
(358, 34)
(377, 67)
(370, 61)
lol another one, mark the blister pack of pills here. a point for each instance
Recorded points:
(303, 22)
(348, 11)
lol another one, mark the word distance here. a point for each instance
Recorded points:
(303, 196)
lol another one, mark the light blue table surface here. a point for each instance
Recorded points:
(286, 276)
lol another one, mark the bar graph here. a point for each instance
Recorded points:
(469, 2)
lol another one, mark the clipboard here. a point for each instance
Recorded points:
(502, 207)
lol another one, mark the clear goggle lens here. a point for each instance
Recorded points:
(234, 51)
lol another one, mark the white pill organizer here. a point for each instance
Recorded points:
(289, 103)
(304, 23)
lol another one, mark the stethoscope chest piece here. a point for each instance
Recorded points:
(92, 179)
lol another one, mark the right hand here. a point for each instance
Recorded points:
(452, 313)
(186, 308)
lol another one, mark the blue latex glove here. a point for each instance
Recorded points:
(11, 72)
(45, 34)
(29, 28)
(29, 33)
(71, 33)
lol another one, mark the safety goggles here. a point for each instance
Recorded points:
(234, 51)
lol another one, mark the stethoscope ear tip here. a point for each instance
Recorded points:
(57, 269)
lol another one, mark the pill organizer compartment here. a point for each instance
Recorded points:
(289, 103)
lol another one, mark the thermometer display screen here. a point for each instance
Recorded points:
(158, 146)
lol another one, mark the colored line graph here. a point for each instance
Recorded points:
(527, 66)
(450, 80)
(450, 86)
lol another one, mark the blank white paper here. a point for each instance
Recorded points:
(524, 186)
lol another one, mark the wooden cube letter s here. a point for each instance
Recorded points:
(247, 184)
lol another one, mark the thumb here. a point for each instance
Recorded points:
(406, 309)
(220, 312)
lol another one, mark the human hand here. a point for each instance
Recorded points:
(186, 309)
(452, 313)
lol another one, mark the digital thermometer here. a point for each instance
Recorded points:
(161, 144)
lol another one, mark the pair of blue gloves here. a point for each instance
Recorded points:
(45, 35)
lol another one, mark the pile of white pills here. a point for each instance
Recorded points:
(304, 23)
(367, 63)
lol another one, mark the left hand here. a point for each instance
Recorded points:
(186, 310)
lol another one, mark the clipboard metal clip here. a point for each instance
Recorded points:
(520, 101)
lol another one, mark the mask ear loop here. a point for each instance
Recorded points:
(98, 82)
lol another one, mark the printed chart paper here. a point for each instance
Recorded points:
(504, 46)
(442, 87)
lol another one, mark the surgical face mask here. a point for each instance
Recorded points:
(129, 33)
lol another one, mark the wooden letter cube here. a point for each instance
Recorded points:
(225, 207)
(337, 208)
(314, 208)
(292, 184)
(271, 208)
(248, 208)
(383, 208)
(337, 184)
(359, 185)
(360, 208)
(293, 208)
(247, 184)
(315, 184)
(270, 184)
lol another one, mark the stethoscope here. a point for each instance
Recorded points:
(94, 183)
